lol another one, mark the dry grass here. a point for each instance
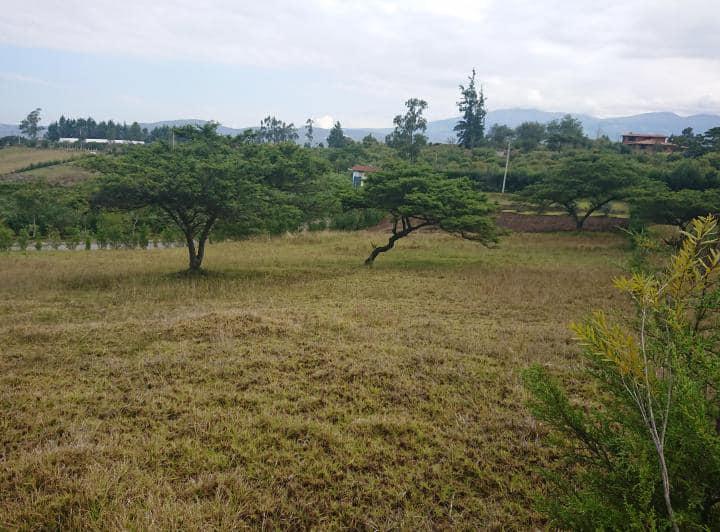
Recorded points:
(289, 388)
(59, 174)
(15, 158)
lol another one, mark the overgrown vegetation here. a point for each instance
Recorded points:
(646, 453)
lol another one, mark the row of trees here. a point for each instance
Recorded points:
(86, 128)
(208, 181)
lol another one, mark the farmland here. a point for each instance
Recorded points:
(17, 158)
(289, 387)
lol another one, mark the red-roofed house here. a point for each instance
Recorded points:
(359, 172)
(648, 142)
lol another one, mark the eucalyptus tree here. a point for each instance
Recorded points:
(470, 128)
(30, 125)
(408, 137)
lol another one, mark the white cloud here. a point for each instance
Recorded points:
(324, 122)
(606, 58)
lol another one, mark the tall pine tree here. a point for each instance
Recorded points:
(471, 127)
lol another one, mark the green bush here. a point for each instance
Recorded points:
(355, 219)
(23, 239)
(73, 239)
(54, 238)
(642, 449)
(7, 237)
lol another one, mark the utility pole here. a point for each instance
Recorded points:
(507, 163)
(173, 138)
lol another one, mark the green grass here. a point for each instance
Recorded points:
(63, 174)
(16, 158)
(291, 387)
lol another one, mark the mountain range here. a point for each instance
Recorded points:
(442, 130)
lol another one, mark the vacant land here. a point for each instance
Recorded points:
(16, 158)
(57, 174)
(292, 387)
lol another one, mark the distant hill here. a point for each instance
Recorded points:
(442, 130)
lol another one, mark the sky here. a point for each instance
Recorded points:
(236, 61)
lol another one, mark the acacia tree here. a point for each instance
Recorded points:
(416, 197)
(685, 189)
(408, 138)
(206, 179)
(471, 127)
(675, 207)
(586, 182)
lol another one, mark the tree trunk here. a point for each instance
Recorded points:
(382, 249)
(195, 256)
(396, 235)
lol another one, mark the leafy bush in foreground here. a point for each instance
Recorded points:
(646, 455)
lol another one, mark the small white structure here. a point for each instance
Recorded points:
(359, 173)
(74, 140)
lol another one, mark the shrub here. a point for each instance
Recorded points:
(645, 452)
(6, 237)
(143, 239)
(54, 238)
(354, 219)
(23, 239)
(73, 239)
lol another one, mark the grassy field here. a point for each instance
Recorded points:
(16, 158)
(289, 388)
(58, 174)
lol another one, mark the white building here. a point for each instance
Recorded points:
(359, 173)
(73, 140)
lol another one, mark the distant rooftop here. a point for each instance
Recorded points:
(363, 168)
(654, 135)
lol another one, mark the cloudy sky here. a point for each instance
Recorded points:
(236, 61)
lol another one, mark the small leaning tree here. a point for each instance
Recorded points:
(416, 197)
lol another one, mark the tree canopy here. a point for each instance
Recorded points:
(336, 138)
(30, 125)
(529, 135)
(206, 179)
(415, 197)
(273, 131)
(408, 138)
(470, 128)
(585, 182)
(565, 133)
